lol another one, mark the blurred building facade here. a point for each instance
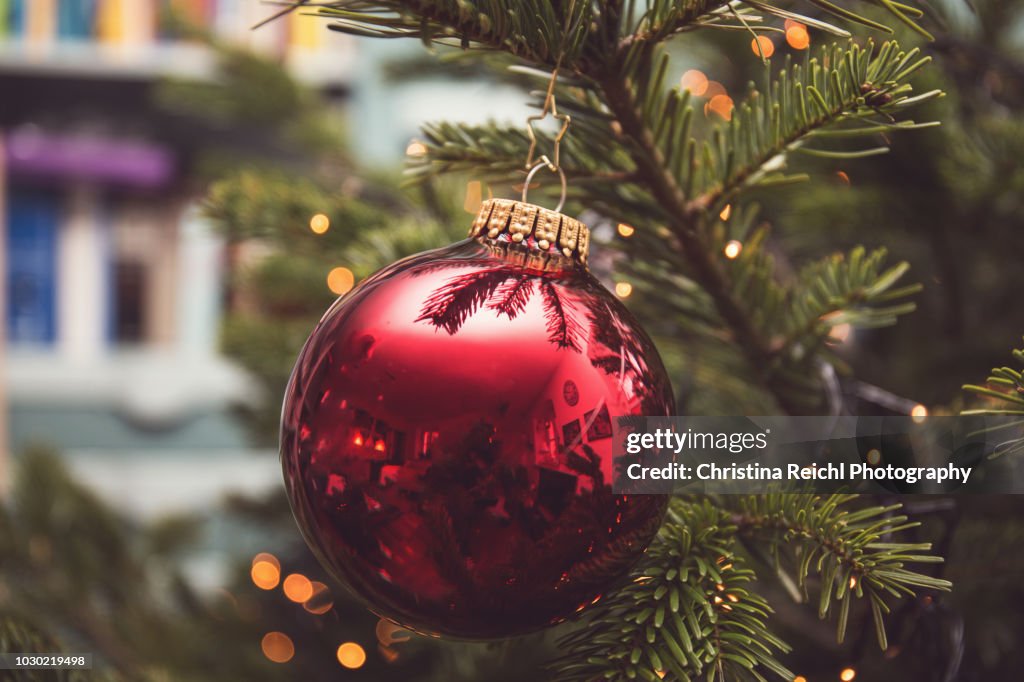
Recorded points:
(112, 281)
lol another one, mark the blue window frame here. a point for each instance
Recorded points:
(32, 224)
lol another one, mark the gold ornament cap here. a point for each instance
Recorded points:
(540, 229)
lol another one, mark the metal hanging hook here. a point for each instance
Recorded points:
(550, 107)
(546, 163)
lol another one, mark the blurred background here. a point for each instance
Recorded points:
(181, 199)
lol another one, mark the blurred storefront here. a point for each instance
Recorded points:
(112, 280)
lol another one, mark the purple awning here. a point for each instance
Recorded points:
(31, 151)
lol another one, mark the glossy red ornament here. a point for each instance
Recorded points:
(446, 432)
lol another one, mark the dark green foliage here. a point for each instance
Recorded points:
(1005, 394)
(689, 611)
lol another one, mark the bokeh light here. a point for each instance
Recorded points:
(351, 655)
(268, 557)
(733, 248)
(298, 588)
(265, 575)
(841, 332)
(919, 413)
(319, 223)
(416, 149)
(278, 647)
(340, 280)
(695, 81)
(320, 602)
(389, 633)
(714, 89)
(726, 212)
(847, 674)
(797, 36)
(762, 46)
(721, 105)
(623, 289)
(626, 230)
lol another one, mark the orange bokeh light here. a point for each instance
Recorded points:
(278, 647)
(695, 81)
(298, 588)
(351, 655)
(721, 105)
(762, 46)
(319, 223)
(714, 89)
(320, 601)
(265, 575)
(340, 280)
(798, 37)
(847, 674)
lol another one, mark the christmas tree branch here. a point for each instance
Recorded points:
(847, 548)
(841, 88)
(686, 612)
(538, 31)
(683, 219)
(1005, 392)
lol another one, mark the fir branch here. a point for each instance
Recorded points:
(538, 31)
(1005, 392)
(683, 219)
(847, 548)
(836, 94)
(686, 612)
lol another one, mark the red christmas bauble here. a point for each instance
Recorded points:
(446, 435)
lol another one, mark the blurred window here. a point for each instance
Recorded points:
(76, 19)
(32, 219)
(12, 18)
(129, 305)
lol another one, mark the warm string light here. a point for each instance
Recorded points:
(351, 655)
(722, 105)
(623, 289)
(695, 81)
(297, 588)
(319, 223)
(389, 633)
(762, 46)
(320, 601)
(340, 280)
(840, 332)
(277, 647)
(732, 249)
(266, 571)
(919, 413)
(626, 230)
(797, 36)
(416, 149)
(799, 678)
(847, 674)
(726, 212)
